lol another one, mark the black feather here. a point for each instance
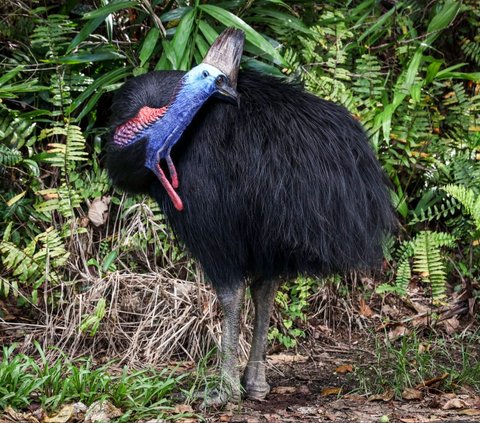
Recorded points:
(285, 184)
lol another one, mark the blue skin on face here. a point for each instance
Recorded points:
(193, 90)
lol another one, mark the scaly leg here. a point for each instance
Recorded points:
(254, 380)
(231, 300)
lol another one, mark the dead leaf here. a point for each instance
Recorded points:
(331, 391)
(15, 416)
(386, 396)
(451, 325)
(454, 403)
(103, 411)
(282, 390)
(398, 332)
(410, 394)
(344, 368)
(287, 358)
(98, 210)
(470, 412)
(365, 310)
(430, 382)
(183, 408)
(63, 416)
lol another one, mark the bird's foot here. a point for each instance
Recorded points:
(218, 397)
(256, 391)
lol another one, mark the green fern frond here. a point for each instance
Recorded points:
(63, 200)
(403, 277)
(428, 261)
(45, 251)
(15, 131)
(9, 156)
(469, 200)
(64, 154)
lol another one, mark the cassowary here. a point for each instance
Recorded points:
(281, 184)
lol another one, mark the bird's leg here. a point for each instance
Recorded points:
(172, 170)
(231, 300)
(254, 380)
(177, 201)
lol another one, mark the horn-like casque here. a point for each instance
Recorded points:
(226, 52)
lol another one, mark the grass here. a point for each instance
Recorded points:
(413, 360)
(140, 394)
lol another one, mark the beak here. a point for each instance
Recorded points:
(226, 92)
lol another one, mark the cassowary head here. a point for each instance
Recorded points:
(153, 131)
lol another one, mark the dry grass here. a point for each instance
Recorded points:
(150, 319)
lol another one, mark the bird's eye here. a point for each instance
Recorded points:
(220, 79)
(205, 73)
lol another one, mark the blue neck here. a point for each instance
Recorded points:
(164, 133)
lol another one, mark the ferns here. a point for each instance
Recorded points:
(9, 156)
(428, 262)
(64, 155)
(468, 199)
(36, 262)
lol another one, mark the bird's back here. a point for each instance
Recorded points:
(284, 184)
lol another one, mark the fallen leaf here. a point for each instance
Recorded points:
(386, 396)
(63, 416)
(454, 403)
(331, 391)
(103, 411)
(451, 325)
(15, 416)
(344, 368)
(365, 310)
(398, 332)
(287, 358)
(183, 408)
(282, 390)
(430, 382)
(97, 212)
(306, 410)
(470, 412)
(412, 394)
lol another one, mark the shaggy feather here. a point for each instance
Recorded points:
(285, 184)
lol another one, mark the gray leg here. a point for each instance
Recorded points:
(254, 380)
(231, 301)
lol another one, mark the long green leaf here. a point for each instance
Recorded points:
(229, 19)
(181, 40)
(104, 11)
(149, 45)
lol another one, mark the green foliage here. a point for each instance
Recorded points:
(293, 303)
(141, 394)
(468, 199)
(420, 107)
(428, 262)
(408, 72)
(412, 360)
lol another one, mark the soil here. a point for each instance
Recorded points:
(309, 388)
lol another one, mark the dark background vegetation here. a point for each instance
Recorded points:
(408, 70)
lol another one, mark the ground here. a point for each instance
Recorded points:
(306, 389)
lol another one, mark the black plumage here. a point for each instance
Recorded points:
(284, 184)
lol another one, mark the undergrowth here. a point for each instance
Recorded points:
(140, 394)
(414, 361)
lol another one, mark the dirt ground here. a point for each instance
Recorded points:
(309, 388)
